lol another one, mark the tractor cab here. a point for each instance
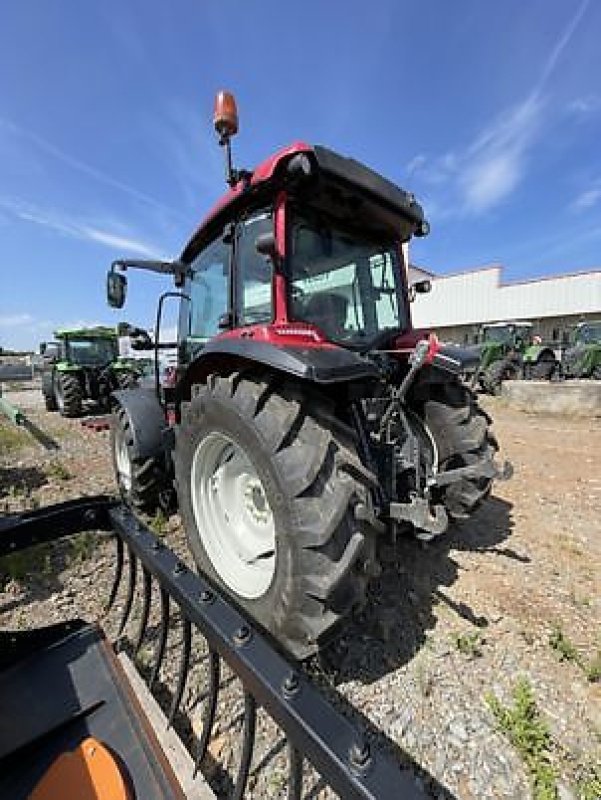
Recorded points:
(587, 333)
(88, 347)
(582, 356)
(510, 335)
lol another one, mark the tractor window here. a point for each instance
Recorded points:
(345, 283)
(253, 272)
(91, 352)
(589, 334)
(208, 289)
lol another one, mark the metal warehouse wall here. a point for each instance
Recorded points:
(479, 296)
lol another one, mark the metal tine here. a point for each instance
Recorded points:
(183, 670)
(131, 587)
(295, 775)
(146, 595)
(214, 668)
(248, 743)
(118, 574)
(160, 651)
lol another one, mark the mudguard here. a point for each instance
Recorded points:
(534, 351)
(456, 359)
(146, 419)
(325, 365)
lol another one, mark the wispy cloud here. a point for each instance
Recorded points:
(482, 174)
(43, 145)
(15, 320)
(66, 225)
(584, 106)
(587, 199)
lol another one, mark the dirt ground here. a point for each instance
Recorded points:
(514, 593)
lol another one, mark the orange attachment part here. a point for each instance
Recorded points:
(225, 114)
(89, 772)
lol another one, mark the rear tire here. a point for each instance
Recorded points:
(141, 481)
(309, 481)
(68, 394)
(543, 369)
(461, 431)
(495, 374)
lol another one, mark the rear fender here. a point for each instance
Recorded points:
(325, 366)
(535, 352)
(146, 420)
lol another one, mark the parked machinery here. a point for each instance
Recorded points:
(581, 358)
(510, 350)
(84, 364)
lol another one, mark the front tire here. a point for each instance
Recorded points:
(141, 481)
(461, 431)
(495, 374)
(268, 483)
(68, 394)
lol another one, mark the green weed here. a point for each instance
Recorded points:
(589, 785)
(530, 735)
(158, 524)
(469, 644)
(81, 547)
(593, 671)
(58, 471)
(12, 438)
(564, 648)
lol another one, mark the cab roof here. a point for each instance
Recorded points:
(97, 332)
(521, 324)
(262, 182)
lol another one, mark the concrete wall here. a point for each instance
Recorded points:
(574, 398)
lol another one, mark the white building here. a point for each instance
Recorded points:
(460, 303)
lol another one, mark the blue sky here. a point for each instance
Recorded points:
(490, 112)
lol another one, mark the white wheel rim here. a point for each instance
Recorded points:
(122, 462)
(233, 516)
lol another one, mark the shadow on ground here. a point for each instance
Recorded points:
(20, 480)
(392, 628)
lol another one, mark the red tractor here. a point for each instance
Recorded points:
(307, 419)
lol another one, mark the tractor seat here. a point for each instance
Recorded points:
(328, 311)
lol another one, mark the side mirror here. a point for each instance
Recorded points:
(423, 287)
(265, 244)
(116, 289)
(49, 351)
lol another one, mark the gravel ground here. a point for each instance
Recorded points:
(512, 593)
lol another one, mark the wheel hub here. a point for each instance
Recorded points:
(233, 516)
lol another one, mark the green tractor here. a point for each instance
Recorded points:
(509, 350)
(582, 356)
(84, 364)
